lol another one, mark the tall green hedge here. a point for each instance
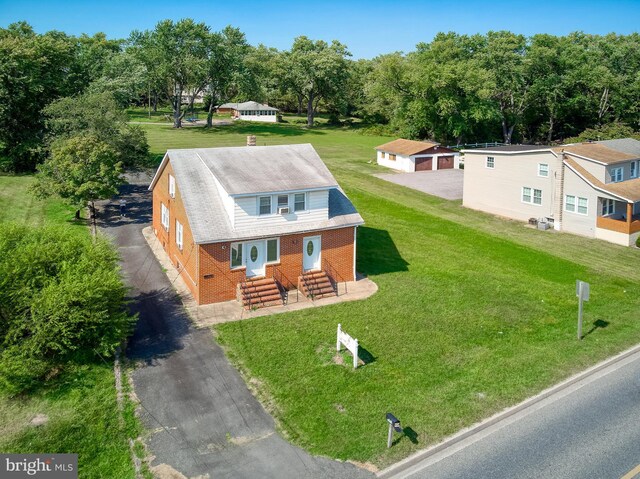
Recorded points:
(61, 301)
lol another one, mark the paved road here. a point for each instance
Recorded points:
(593, 431)
(446, 184)
(205, 422)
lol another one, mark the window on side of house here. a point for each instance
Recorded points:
(164, 217)
(537, 197)
(583, 205)
(300, 202)
(236, 255)
(283, 201)
(543, 169)
(531, 195)
(172, 186)
(617, 174)
(382, 154)
(264, 205)
(273, 250)
(179, 234)
(570, 203)
(491, 162)
(392, 157)
(608, 207)
(633, 168)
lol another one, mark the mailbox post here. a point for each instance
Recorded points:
(394, 425)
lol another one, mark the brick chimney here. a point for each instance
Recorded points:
(251, 140)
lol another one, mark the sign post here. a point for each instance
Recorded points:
(582, 292)
(350, 343)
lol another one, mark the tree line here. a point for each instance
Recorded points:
(500, 86)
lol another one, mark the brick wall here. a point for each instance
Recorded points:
(218, 282)
(185, 259)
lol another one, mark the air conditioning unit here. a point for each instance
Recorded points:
(283, 211)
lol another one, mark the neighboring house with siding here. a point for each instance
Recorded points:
(250, 111)
(251, 223)
(410, 155)
(590, 189)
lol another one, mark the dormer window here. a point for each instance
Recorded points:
(265, 205)
(617, 174)
(300, 202)
(283, 201)
(634, 169)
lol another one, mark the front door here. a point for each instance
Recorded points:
(311, 253)
(255, 258)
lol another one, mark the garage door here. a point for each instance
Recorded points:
(445, 162)
(423, 164)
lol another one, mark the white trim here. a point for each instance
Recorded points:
(532, 195)
(172, 186)
(280, 234)
(540, 169)
(165, 217)
(355, 229)
(266, 250)
(156, 177)
(493, 162)
(179, 235)
(586, 158)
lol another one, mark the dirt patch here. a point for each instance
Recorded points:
(39, 420)
(367, 466)
(340, 408)
(165, 471)
(338, 359)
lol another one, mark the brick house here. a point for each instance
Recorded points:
(251, 223)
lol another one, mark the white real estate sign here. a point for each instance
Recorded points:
(350, 343)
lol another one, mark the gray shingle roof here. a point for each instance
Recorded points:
(248, 105)
(624, 145)
(509, 148)
(265, 169)
(249, 170)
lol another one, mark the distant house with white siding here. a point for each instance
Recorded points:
(590, 189)
(410, 155)
(250, 111)
(254, 222)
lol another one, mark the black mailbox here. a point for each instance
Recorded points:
(394, 421)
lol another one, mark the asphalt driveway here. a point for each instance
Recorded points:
(446, 184)
(203, 421)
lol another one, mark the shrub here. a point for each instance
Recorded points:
(638, 241)
(61, 301)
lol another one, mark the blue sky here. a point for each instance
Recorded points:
(368, 28)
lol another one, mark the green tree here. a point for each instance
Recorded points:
(316, 71)
(33, 72)
(81, 169)
(176, 55)
(61, 302)
(226, 67)
(100, 116)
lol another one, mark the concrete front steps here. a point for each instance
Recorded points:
(259, 293)
(315, 285)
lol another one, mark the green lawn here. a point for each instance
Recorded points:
(474, 313)
(81, 403)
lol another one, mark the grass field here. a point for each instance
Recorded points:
(81, 404)
(474, 313)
